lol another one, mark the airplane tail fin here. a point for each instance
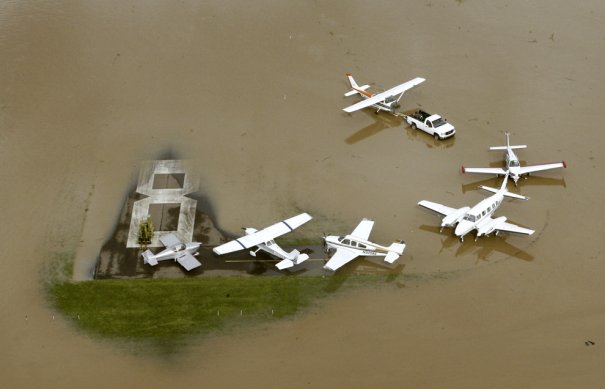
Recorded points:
(503, 190)
(295, 258)
(352, 81)
(149, 258)
(514, 147)
(395, 250)
(298, 257)
(354, 86)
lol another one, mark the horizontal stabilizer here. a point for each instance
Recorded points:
(285, 264)
(288, 263)
(494, 148)
(149, 258)
(505, 193)
(395, 250)
(356, 90)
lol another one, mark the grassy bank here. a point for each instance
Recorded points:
(165, 311)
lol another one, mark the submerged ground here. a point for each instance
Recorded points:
(252, 95)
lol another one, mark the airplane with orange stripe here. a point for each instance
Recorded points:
(384, 101)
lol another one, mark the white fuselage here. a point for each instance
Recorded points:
(172, 251)
(386, 106)
(359, 246)
(476, 217)
(512, 165)
(270, 247)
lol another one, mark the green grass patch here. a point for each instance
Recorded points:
(166, 311)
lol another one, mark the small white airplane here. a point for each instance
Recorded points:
(263, 240)
(183, 253)
(513, 167)
(352, 246)
(478, 217)
(385, 101)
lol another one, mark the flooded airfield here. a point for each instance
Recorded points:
(252, 97)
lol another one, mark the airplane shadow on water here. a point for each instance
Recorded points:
(383, 121)
(482, 247)
(523, 182)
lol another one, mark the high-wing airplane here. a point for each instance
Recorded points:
(264, 240)
(478, 217)
(513, 167)
(183, 253)
(385, 101)
(351, 246)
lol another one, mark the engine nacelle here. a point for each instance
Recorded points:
(490, 226)
(454, 217)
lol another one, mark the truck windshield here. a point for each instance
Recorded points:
(439, 122)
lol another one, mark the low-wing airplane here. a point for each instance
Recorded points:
(478, 217)
(183, 253)
(385, 101)
(264, 240)
(356, 244)
(513, 167)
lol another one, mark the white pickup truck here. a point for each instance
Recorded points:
(432, 124)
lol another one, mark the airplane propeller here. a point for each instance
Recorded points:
(326, 248)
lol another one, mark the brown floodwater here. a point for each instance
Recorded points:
(252, 95)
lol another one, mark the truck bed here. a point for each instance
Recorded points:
(420, 115)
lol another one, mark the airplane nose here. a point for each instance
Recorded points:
(463, 228)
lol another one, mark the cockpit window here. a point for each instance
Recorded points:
(513, 163)
(346, 241)
(340, 238)
(179, 247)
(470, 218)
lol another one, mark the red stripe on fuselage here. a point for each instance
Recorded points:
(362, 92)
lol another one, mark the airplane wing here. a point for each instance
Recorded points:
(382, 96)
(509, 227)
(537, 168)
(169, 240)
(484, 170)
(436, 207)
(188, 261)
(364, 229)
(263, 235)
(340, 258)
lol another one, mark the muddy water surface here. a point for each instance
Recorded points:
(252, 95)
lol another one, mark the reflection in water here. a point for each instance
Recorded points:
(482, 248)
(525, 181)
(364, 265)
(385, 120)
(428, 140)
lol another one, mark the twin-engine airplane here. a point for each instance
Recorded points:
(478, 217)
(385, 101)
(513, 167)
(351, 246)
(263, 240)
(183, 253)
